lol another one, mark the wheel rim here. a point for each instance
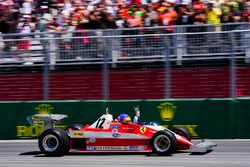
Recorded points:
(162, 143)
(50, 143)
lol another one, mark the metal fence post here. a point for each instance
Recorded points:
(46, 71)
(105, 84)
(232, 67)
(167, 70)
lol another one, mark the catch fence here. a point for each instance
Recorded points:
(193, 61)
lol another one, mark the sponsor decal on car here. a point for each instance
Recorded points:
(91, 148)
(78, 134)
(110, 147)
(92, 140)
(143, 129)
(134, 148)
(115, 127)
(116, 135)
(117, 148)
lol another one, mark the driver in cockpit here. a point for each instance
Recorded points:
(124, 119)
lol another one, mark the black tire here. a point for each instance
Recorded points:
(54, 142)
(163, 143)
(182, 132)
(76, 126)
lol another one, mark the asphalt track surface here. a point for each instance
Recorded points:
(25, 153)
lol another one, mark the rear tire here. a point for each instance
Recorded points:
(163, 143)
(54, 142)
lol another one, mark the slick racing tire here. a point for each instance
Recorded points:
(182, 132)
(54, 142)
(163, 143)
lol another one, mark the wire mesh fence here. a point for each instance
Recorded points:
(202, 61)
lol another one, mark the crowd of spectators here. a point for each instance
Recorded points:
(25, 16)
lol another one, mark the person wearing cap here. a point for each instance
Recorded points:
(199, 14)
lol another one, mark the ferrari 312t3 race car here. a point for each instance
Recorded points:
(109, 135)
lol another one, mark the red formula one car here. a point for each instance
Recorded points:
(109, 135)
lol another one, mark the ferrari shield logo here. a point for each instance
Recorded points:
(143, 129)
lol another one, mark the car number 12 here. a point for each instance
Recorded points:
(100, 123)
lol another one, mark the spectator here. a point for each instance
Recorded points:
(213, 14)
(168, 17)
(27, 7)
(46, 18)
(120, 22)
(54, 26)
(4, 26)
(199, 15)
(199, 12)
(26, 26)
(185, 15)
(246, 11)
(233, 15)
(153, 16)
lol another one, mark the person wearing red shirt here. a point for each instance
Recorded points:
(167, 18)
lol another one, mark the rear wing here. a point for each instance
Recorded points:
(46, 120)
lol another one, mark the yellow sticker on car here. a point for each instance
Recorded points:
(143, 129)
(78, 134)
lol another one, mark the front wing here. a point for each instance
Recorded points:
(202, 147)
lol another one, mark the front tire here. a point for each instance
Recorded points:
(163, 143)
(182, 132)
(54, 142)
